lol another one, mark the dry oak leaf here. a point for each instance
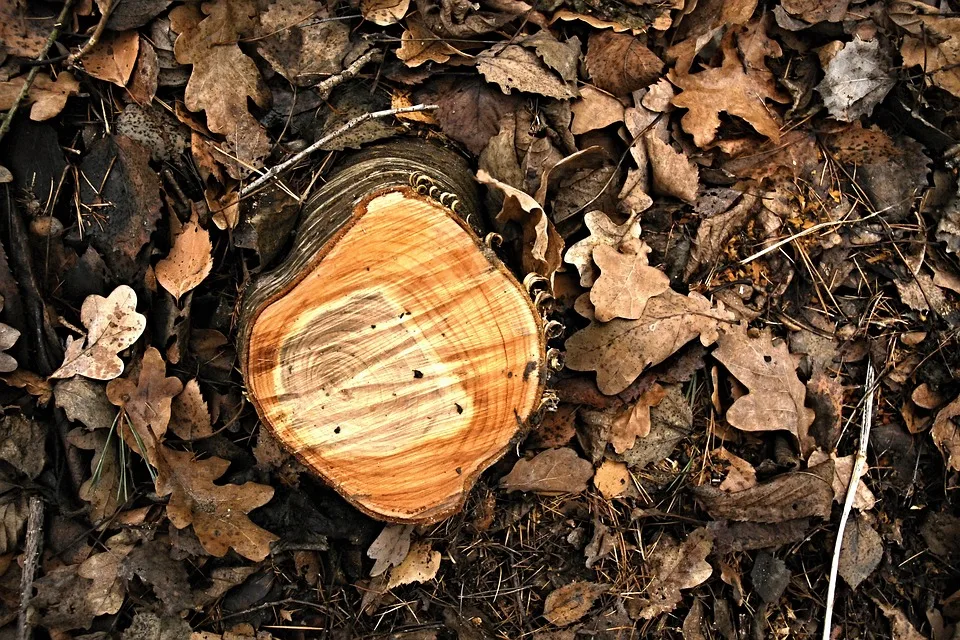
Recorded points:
(620, 350)
(932, 43)
(189, 261)
(300, 41)
(513, 67)
(603, 232)
(635, 422)
(384, 12)
(217, 512)
(222, 80)
(730, 89)
(550, 472)
(626, 281)
(390, 548)
(542, 245)
(562, 57)
(419, 45)
(113, 58)
(673, 567)
(146, 404)
(103, 489)
(673, 174)
(420, 565)
(797, 494)
(776, 395)
(571, 602)
(620, 64)
(740, 475)
(49, 97)
(900, 626)
(189, 414)
(595, 109)
(113, 324)
(612, 478)
(946, 434)
(863, 498)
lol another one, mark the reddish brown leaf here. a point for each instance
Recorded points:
(620, 64)
(550, 472)
(571, 602)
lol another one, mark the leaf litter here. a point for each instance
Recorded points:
(731, 203)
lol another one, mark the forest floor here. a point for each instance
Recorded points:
(747, 210)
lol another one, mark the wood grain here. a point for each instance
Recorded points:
(401, 359)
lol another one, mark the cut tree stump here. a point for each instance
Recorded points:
(392, 351)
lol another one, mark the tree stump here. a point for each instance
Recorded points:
(392, 351)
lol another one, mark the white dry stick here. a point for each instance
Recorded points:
(351, 124)
(858, 463)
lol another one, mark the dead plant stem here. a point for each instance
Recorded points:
(31, 553)
(858, 463)
(351, 124)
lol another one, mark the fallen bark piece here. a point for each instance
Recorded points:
(392, 352)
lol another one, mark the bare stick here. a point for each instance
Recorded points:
(858, 463)
(324, 88)
(31, 554)
(105, 12)
(351, 124)
(25, 89)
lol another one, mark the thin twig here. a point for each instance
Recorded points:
(858, 463)
(31, 553)
(25, 89)
(105, 12)
(351, 124)
(324, 88)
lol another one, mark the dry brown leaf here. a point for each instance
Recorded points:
(189, 261)
(900, 626)
(621, 64)
(603, 232)
(146, 405)
(23, 32)
(562, 57)
(217, 512)
(419, 45)
(611, 479)
(595, 22)
(626, 281)
(390, 548)
(946, 434)
(514, 67)
(595, 109)
(861, 550)
(550, 472)
(384, 12)
(797, 494)
(103, 489)
(635, 422)
(571, 602)
(222, 80)
(714, 233)
(146, 75)
(776, 395)
(85, 401)
(740, 475)
(113, 324)
(113, 58)
(470, 110)
(301, 41)
(542, 245)
(189, 414)
(932, 43)
(672, 173)
(739, 88)
(49, 97)
(673, 567)
(420, 565)
(620, 350)
(863, 498)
